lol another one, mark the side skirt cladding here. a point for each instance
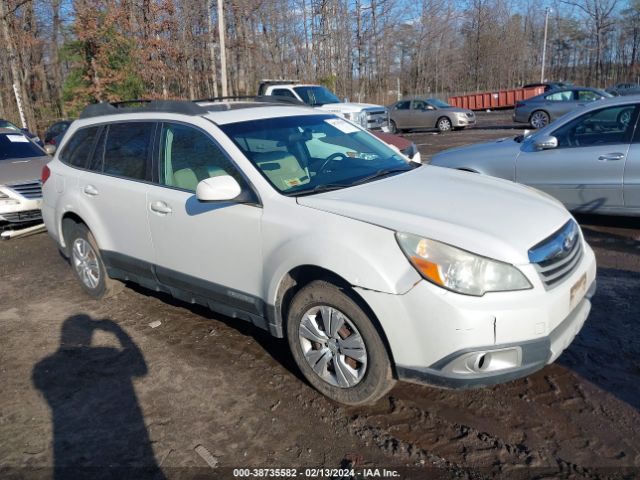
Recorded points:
(218, 298)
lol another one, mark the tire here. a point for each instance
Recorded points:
(87, 265)
(353, 380)
(393, 128)
(444, 124)
(539, 119)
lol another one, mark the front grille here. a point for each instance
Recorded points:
(19, 217)
(28, 190)
(376, 119)
(557, 256)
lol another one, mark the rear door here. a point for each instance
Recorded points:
(632, 172)
(586, 170)
(212, 249)
(114, 186)
(401, 114)
(559, 103)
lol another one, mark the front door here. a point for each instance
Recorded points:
(213, 250)
(585, 171)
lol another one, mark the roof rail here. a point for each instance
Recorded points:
(252, 98)
(184, 107)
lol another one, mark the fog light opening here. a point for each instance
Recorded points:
(482, 361)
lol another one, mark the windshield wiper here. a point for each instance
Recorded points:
(327, 187)
(380, 173)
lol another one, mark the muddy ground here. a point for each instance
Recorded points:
(202, 382)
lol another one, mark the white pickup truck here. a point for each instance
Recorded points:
(372, 117)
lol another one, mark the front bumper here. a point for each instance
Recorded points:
(23, 211)
(494, 364)
(452, 340)
(463, 121)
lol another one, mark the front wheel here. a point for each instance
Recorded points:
(444, 124)
(336, 346)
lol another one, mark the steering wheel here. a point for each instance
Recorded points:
(338, 156)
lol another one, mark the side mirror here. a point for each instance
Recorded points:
(546, 142)
(218, 189)
(50, 149)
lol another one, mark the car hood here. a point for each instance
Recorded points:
(484, 215)
(457, 110)
(348, 107)
(22, 169)
(502, 147)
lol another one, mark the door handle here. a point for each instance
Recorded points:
(90, 190)
(610, 157)
(160, 207)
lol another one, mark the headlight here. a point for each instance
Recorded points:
(459, 270)
(360, 118)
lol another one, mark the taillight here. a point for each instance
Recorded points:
(46, 173)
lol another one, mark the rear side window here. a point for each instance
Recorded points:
(403, 105)
(127, 150)
(79, 148)
(283, 92)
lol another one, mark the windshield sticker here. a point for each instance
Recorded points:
(18, 139)
(343, 126)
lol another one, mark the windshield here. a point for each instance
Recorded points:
(8, 125)
(316, 96)
(312, 153)
(438, 103)
(14, 146)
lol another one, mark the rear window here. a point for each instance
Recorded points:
(127, 150)
(18, 146)
(79, 147)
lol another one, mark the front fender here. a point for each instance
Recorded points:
(373, 261)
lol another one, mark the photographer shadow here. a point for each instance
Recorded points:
(98, 426)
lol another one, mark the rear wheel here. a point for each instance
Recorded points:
(539, 119)
(444, 124)
(336, 346)
(87, 264)
(393, 128)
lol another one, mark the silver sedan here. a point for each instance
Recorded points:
(428, 113)
(543, 109)
(589, 159)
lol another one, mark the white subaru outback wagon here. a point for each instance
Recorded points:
(373, 268)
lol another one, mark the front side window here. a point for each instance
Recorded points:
(438, 103)
(607, 126)
(307, 154)
(560, 96)
(188, 156)
(127, 150)
(418, 105)
(79, 147)
(587, 96)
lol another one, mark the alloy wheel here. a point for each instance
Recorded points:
(333, 346)
(85, 261)
(539, 120)
(444, 125)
